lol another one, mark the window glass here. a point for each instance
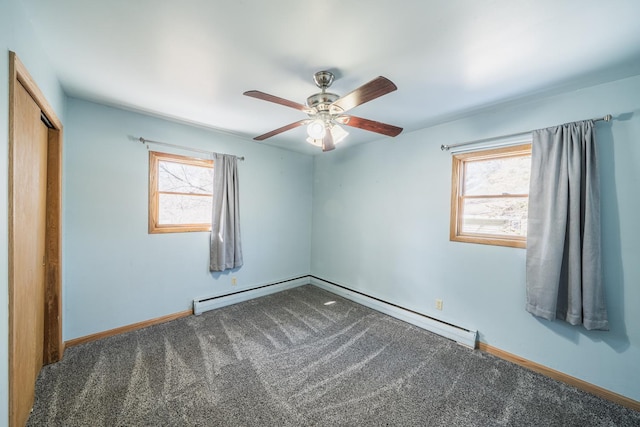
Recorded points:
(182, 209)
(184, 178)
(499, 216)
(497, 176)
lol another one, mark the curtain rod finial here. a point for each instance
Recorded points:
(608, 118)
(444, 147)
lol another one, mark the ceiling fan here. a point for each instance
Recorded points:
(326, 111)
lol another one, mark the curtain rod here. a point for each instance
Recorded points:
(445, 147)
(182, 147)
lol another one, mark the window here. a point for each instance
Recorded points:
(180, 193)
(490, 193)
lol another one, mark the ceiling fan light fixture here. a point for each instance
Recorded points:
(338, 133)
(316, 129)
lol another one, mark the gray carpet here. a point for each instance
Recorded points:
(289, 360)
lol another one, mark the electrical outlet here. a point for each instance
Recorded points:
(438, 304)
(234, 281)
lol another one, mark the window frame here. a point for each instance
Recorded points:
(459, 161)
(155, 157)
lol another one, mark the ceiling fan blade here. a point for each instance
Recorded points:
(370, 125)
(282, 129)
(365, 93)
(327, 141)
(277, 100)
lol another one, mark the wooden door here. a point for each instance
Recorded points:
(29, 229)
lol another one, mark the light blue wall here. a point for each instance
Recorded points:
(381, 226)
(115, 273)
(16, 34)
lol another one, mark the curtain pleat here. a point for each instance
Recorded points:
(563, 266)
(226, 248)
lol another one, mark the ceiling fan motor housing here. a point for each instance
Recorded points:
(321, 101)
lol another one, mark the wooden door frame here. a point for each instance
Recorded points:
(53, 344)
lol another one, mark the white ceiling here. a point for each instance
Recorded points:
(191, 60)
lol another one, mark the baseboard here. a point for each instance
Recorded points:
(200, 305)
(567, 379)
(466, 337)
(127, 328)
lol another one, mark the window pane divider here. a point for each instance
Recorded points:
(176, 193)
(496, 196)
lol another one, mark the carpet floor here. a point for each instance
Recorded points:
(288, 359)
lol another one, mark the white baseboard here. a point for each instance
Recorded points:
(200, 305)
(461, 335)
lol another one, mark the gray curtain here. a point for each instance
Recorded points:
(564, 270)
(226, 250)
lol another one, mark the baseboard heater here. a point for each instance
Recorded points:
(200, 305)
(464, 336)
(459, 334)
